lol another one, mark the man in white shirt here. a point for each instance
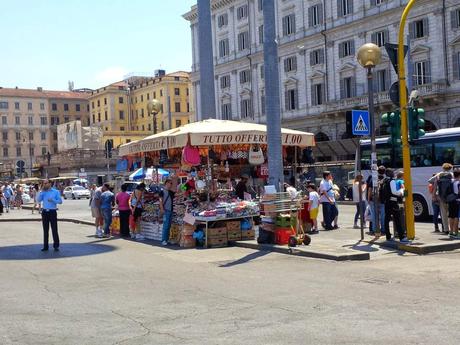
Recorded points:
(327, 199)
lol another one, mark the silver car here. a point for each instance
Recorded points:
(76, 192)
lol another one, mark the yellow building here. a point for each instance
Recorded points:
(120, 109)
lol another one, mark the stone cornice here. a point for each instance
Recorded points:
(215, 5)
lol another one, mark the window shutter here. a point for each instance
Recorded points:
(323, 93)
(386, 36)
(414, 74)
(339, 8)
(321, 55)
(412, 30)
(352, 47)
(426, 31)
(456, 65)
(314, 100)
(387, 79)
(374, 38)
(353, 87)
(342, 89)
(320, 14)
(286, 100)
(311, 58)
(340, 50)
(310, 17)
(350, 6)
(454, 19)
(428, 72)
(285, 65)
(293, 23)
(294, 63)
(242, 109)
(296, 99)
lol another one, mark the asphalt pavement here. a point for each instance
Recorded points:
(123, 292)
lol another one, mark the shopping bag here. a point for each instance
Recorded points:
(191, 155)
(256, 156)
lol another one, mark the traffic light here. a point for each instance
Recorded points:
(393, 120)
(416, 123)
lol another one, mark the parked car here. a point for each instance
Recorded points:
(76, 192)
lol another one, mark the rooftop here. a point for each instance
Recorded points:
(40, 93)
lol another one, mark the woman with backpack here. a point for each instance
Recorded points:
(442, 190)
(454, 207)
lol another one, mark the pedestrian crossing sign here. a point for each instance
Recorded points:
(360, 122)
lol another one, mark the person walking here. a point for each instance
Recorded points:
(2, 198)
(136, 202)
(18, 197)
(50, 198)
(166, 209)
(360, 204)
(442, 190)
(33, 192)
(122, 201)
(107, 203)
(435, 206)
(375, 228)
(327, 200)
(313, 206)
(393, 206)
(454, 207)
(95, 205)
(8, 195)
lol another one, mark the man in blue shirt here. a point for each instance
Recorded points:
(50, 198)
(7, 194)
(107, 201)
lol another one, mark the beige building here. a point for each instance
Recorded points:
(28, 122)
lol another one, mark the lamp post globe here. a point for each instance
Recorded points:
(369, 55)
(153, 106)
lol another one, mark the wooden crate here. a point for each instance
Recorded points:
(233, 226)
(217, 233)
(234, 235)
(248, 234)
(218, 242)
(188, 229)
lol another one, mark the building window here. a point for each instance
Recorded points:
(346, 48)
(18, 136)
(17, 120)
(31, 135)
(260, 5)
(66, 107)
(121, 115)
(31, 151)
(225, 81)
(18, 151)
(245, 76)
(262, 72)
(381, 80)
(143, 127)
(226, 110)
(290, 64)
(154, 95)
(455, 18)
(4, 120)
(243, 40)
(42, 136)
(5, 136)
(178, 123)
(261, 34)
(188, 107)
(92, 105)
(120, 100)
(3, 105)
(161, 92)
(246, 108)
(123, 128)
(30, 120)
(42, 106)
(98, 117)
(187, 91)
(347, 87)
(422, 73)
(142, 112)
(289, 25)
(222, 20)
(242, 12)
(315, 15)
(344, 7)
(55, 136)
(66, 119)
(380, 38)
(106, 116)
(177, 107)
(44, 151)
(29, 106)
(77, 107)
(94, 118)
(224, 49)
(142, 98)
(377, 2)
(456, 65)
(5, 152)
(291, 99)
(16, 105)
(148, 96)
(176, 91)
(262, 105)
(43, 121)
(317, 57)
(105, 101)
(162, 125)
(418, 29)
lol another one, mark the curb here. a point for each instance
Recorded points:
(68, 220)
(421, 249)
(302, 252)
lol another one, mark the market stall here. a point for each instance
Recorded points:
(211, 156)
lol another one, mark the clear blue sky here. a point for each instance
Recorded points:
(91, 42)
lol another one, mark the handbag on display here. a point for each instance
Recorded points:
(191, 155)
(256, 155)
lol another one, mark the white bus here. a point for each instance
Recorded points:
(427, 155)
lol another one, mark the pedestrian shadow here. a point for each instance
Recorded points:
(362, 246)
(67, 250)
(245, 259)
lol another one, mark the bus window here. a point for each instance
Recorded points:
(384, 156)
(366, 158)
(447, 152)
(421, 155)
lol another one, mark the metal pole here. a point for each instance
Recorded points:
(361, 211)
(30, 156)
(207, 109)
(408, 202)
(272, 96)
(370, 91)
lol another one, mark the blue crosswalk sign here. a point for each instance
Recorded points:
(360, 122)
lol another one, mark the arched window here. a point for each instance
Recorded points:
(321, 137)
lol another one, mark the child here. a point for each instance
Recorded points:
(400, 180)
(313, 199)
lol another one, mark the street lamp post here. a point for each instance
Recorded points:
(154, 107)
(369, 56)
(30, 153)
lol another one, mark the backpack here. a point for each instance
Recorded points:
(446, 187)
(385, 190)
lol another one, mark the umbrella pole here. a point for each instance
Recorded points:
(295, 167)
(208, 177)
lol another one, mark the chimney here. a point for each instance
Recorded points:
(40, 89)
